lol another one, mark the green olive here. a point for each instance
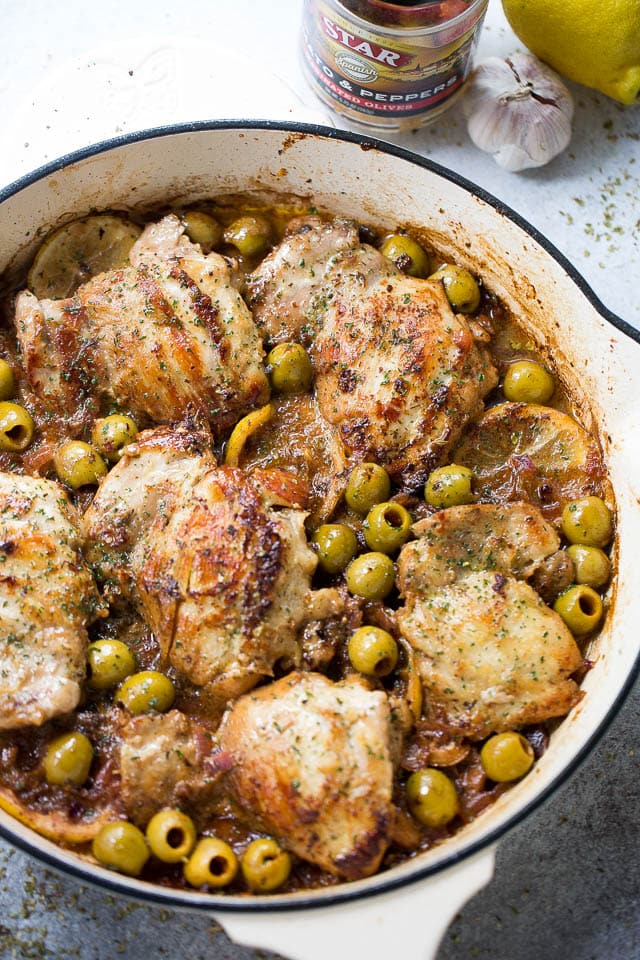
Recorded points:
(591, 565)
(461, 288)
(250, 235)
(581, 609)
(373, 651)
(111, 434)
(587, 521)
(121, 846)
(171, 835)
(68, 759)
(368, 484)
(449, 487)
(290, 368)
(407, 255)
(432, 797)
(265, 865)
(7, 381)
(528, 382)
(16, 427)
(77, 464)
(212, 864)
(146, 692)
(387, 527)
(506, 756)
(371, 576)
(202, 228)
(336, 546)
(110, 662)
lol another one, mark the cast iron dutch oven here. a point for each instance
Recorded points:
(598, 357)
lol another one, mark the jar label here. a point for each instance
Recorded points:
(377, 75)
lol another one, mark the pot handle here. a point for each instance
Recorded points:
(412, 918)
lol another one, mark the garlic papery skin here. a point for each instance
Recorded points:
(519, 110)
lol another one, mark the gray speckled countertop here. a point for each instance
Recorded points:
(567, 881)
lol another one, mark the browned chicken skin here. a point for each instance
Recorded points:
(397, 372)
(311, 764)
(216, 559)
(47, 599)
(169, 761)
(167, 334)
(492, 656)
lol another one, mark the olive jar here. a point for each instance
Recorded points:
(391, 66)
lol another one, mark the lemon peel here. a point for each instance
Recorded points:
(589, 41)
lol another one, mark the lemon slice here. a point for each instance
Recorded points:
(522, 451)
(78, 251)
(243, 430)
(54, 825)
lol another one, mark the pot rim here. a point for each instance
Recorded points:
(387, 882)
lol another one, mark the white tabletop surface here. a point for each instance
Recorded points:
(587, 202)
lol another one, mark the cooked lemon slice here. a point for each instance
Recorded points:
(55, 825)
(78, 251)
(522, 451)
(243, 430)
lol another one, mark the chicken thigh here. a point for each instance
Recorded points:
(492, 656)
(216, 559)
(398, 374)
(167, 334)
(311, 765)
(47, 599)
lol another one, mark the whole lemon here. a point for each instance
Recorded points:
(594, 42)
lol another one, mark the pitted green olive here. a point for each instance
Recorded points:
(77, 464)
(371, 576)
(265, 865)
(7, 381)
(372, 651)
(432, 797)
(336, 545)
(387, 527)
(121, 846)
(202, 228)
(368, 484)
(171, 835)
(461, 288)
(449, 486)
(68, 759)
(146, 692)
(250, 235)
(212, 864)
(587, 521)
(111, 434)
(109, 662)
(581, 609)
(407, 255)
(591, 565)
(290, 368)
(16, 427)
(506, 756)
(528, 382)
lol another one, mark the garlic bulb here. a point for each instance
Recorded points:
(519, 110)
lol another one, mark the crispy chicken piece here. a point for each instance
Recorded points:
(492, 656)
(397, 372)
(169, 761)
(290, 291)
(216, 559)
(311, 764)
(167, 334)
(47, 598)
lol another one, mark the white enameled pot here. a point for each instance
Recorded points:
(598, 357)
